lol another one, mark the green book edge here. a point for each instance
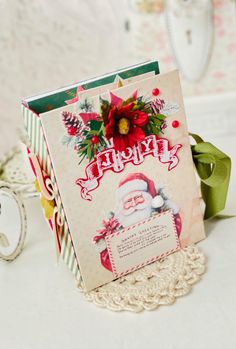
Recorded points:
(56, 99)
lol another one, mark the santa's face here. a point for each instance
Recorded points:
(134, 207)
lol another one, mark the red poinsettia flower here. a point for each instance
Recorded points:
(110, 227)
(125, 126)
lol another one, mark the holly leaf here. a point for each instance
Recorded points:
(90, 153)
(157, 122)
(105, 109)
(94, 132)
(154, 129)
(94, 125)
(160, 116)
(139, 105)
(128, 101)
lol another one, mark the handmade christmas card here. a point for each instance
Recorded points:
(115, 170)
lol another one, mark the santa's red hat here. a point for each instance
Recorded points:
(138, 181)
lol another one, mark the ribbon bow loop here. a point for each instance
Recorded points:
(213, 167)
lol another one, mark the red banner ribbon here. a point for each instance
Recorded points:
(113, 160)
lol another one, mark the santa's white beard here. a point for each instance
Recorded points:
(134, 215)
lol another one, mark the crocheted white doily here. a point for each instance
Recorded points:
(159, 283)
(13, 171)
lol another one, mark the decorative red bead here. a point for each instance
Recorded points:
(95, 139)
(175, 123)
(155, 92)
(72, 131)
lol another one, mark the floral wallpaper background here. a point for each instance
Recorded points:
(149, 38)
(45, 45)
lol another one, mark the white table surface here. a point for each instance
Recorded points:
(40, 307)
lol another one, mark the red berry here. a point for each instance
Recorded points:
(155, 92)
(72, 131)
(175, 123)
(95, 139)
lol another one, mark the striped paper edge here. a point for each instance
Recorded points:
(38, 146)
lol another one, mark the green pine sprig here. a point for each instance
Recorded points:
(85, 147)
(155, 121)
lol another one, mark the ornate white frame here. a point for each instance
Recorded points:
(17, 197)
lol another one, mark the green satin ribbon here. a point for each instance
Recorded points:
(213, 167)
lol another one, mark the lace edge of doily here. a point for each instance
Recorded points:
(190, 276)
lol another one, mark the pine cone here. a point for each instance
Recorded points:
(71, 122)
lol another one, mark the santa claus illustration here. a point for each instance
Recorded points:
(137, 198)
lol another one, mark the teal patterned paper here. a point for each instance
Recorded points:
(56, 99)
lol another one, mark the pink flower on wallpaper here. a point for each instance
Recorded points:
(232, 47)
(218, 21)
(167, 59)
(219, 90)
(221, 33)
(161, 40)
(218, 3)
(218, 75)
